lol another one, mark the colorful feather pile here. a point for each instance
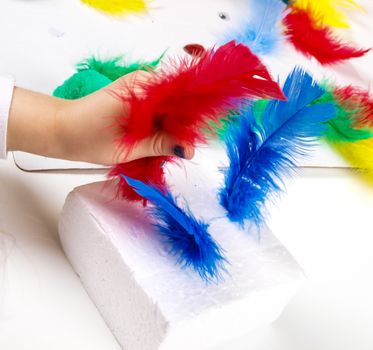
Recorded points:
(262, 31)
(93, 74)
(183, 99)
(351, 112)
(186, 237)
(309, 27)
(357, 101)
(117, 7)
(264, 143)
(350, 132)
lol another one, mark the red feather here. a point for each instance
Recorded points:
(183, 99)
(358, 100)
(316, 41)
(197, 91)
(146, 169)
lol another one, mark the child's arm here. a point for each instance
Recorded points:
(6, 93)
(80, 129)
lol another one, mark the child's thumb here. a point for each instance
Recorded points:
(161, 145)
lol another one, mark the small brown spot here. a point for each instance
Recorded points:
(195, 50)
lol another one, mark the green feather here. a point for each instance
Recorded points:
(81, 84)
(93, 74)
(115, 68)
(343, 128)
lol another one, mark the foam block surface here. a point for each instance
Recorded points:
(147, 300)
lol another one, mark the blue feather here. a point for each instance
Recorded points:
(262, 32)
(265, 142)
(187, 237)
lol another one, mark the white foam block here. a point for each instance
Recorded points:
(147, 300)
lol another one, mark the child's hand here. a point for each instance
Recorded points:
(81, 129)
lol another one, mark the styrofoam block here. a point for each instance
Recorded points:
(147, 300)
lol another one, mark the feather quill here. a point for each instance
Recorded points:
(184, 99)
(317, 41)
(186, 237)
(262, 32)
(264, 143)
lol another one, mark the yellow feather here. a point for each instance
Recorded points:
(117, 7)
(328, 12)
(358, 154)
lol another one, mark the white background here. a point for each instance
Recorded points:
(324, 218)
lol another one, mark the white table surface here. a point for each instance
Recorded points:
(324, 219)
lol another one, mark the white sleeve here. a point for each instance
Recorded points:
(6, 94)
